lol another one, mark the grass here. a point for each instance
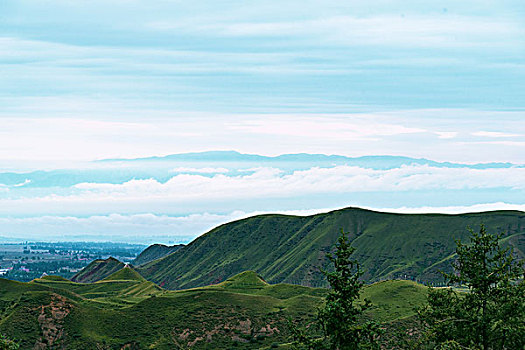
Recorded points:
(394, 300)
(244, 311)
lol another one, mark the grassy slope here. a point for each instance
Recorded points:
(154, 252)
(97, 270)
(127, 273)
(243, 311)
(291, 249)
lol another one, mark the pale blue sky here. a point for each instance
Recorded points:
(83, 80)
(446, 67)
(264, 56)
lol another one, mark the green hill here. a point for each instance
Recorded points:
(154, 252)
(124, 311)
(291, 249)
(127, 273)
(97, 270)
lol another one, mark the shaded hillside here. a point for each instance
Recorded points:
(97, 270)
(291, 249)
(154, 252)
(243, 312)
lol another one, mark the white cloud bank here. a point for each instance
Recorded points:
(269, 182)
(193, 193)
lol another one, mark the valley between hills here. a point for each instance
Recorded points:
(239, 285)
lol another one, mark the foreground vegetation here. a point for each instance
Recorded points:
(491, 314)
(488, 315)
(339, 323)
(125, 310)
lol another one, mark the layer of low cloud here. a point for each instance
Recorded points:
(265, 184)
(151, 228)
(271, 182)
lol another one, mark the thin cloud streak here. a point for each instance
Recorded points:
(404, 31)
(495, 134)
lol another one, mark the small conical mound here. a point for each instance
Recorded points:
(127, 273)
(244, 280)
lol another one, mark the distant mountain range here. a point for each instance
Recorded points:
(376, 162)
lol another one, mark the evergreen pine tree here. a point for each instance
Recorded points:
(491, 313)
(340, 325)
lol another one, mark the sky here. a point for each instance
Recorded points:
(85, 80)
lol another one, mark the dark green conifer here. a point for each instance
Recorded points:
(340, 324)
(491, 313)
